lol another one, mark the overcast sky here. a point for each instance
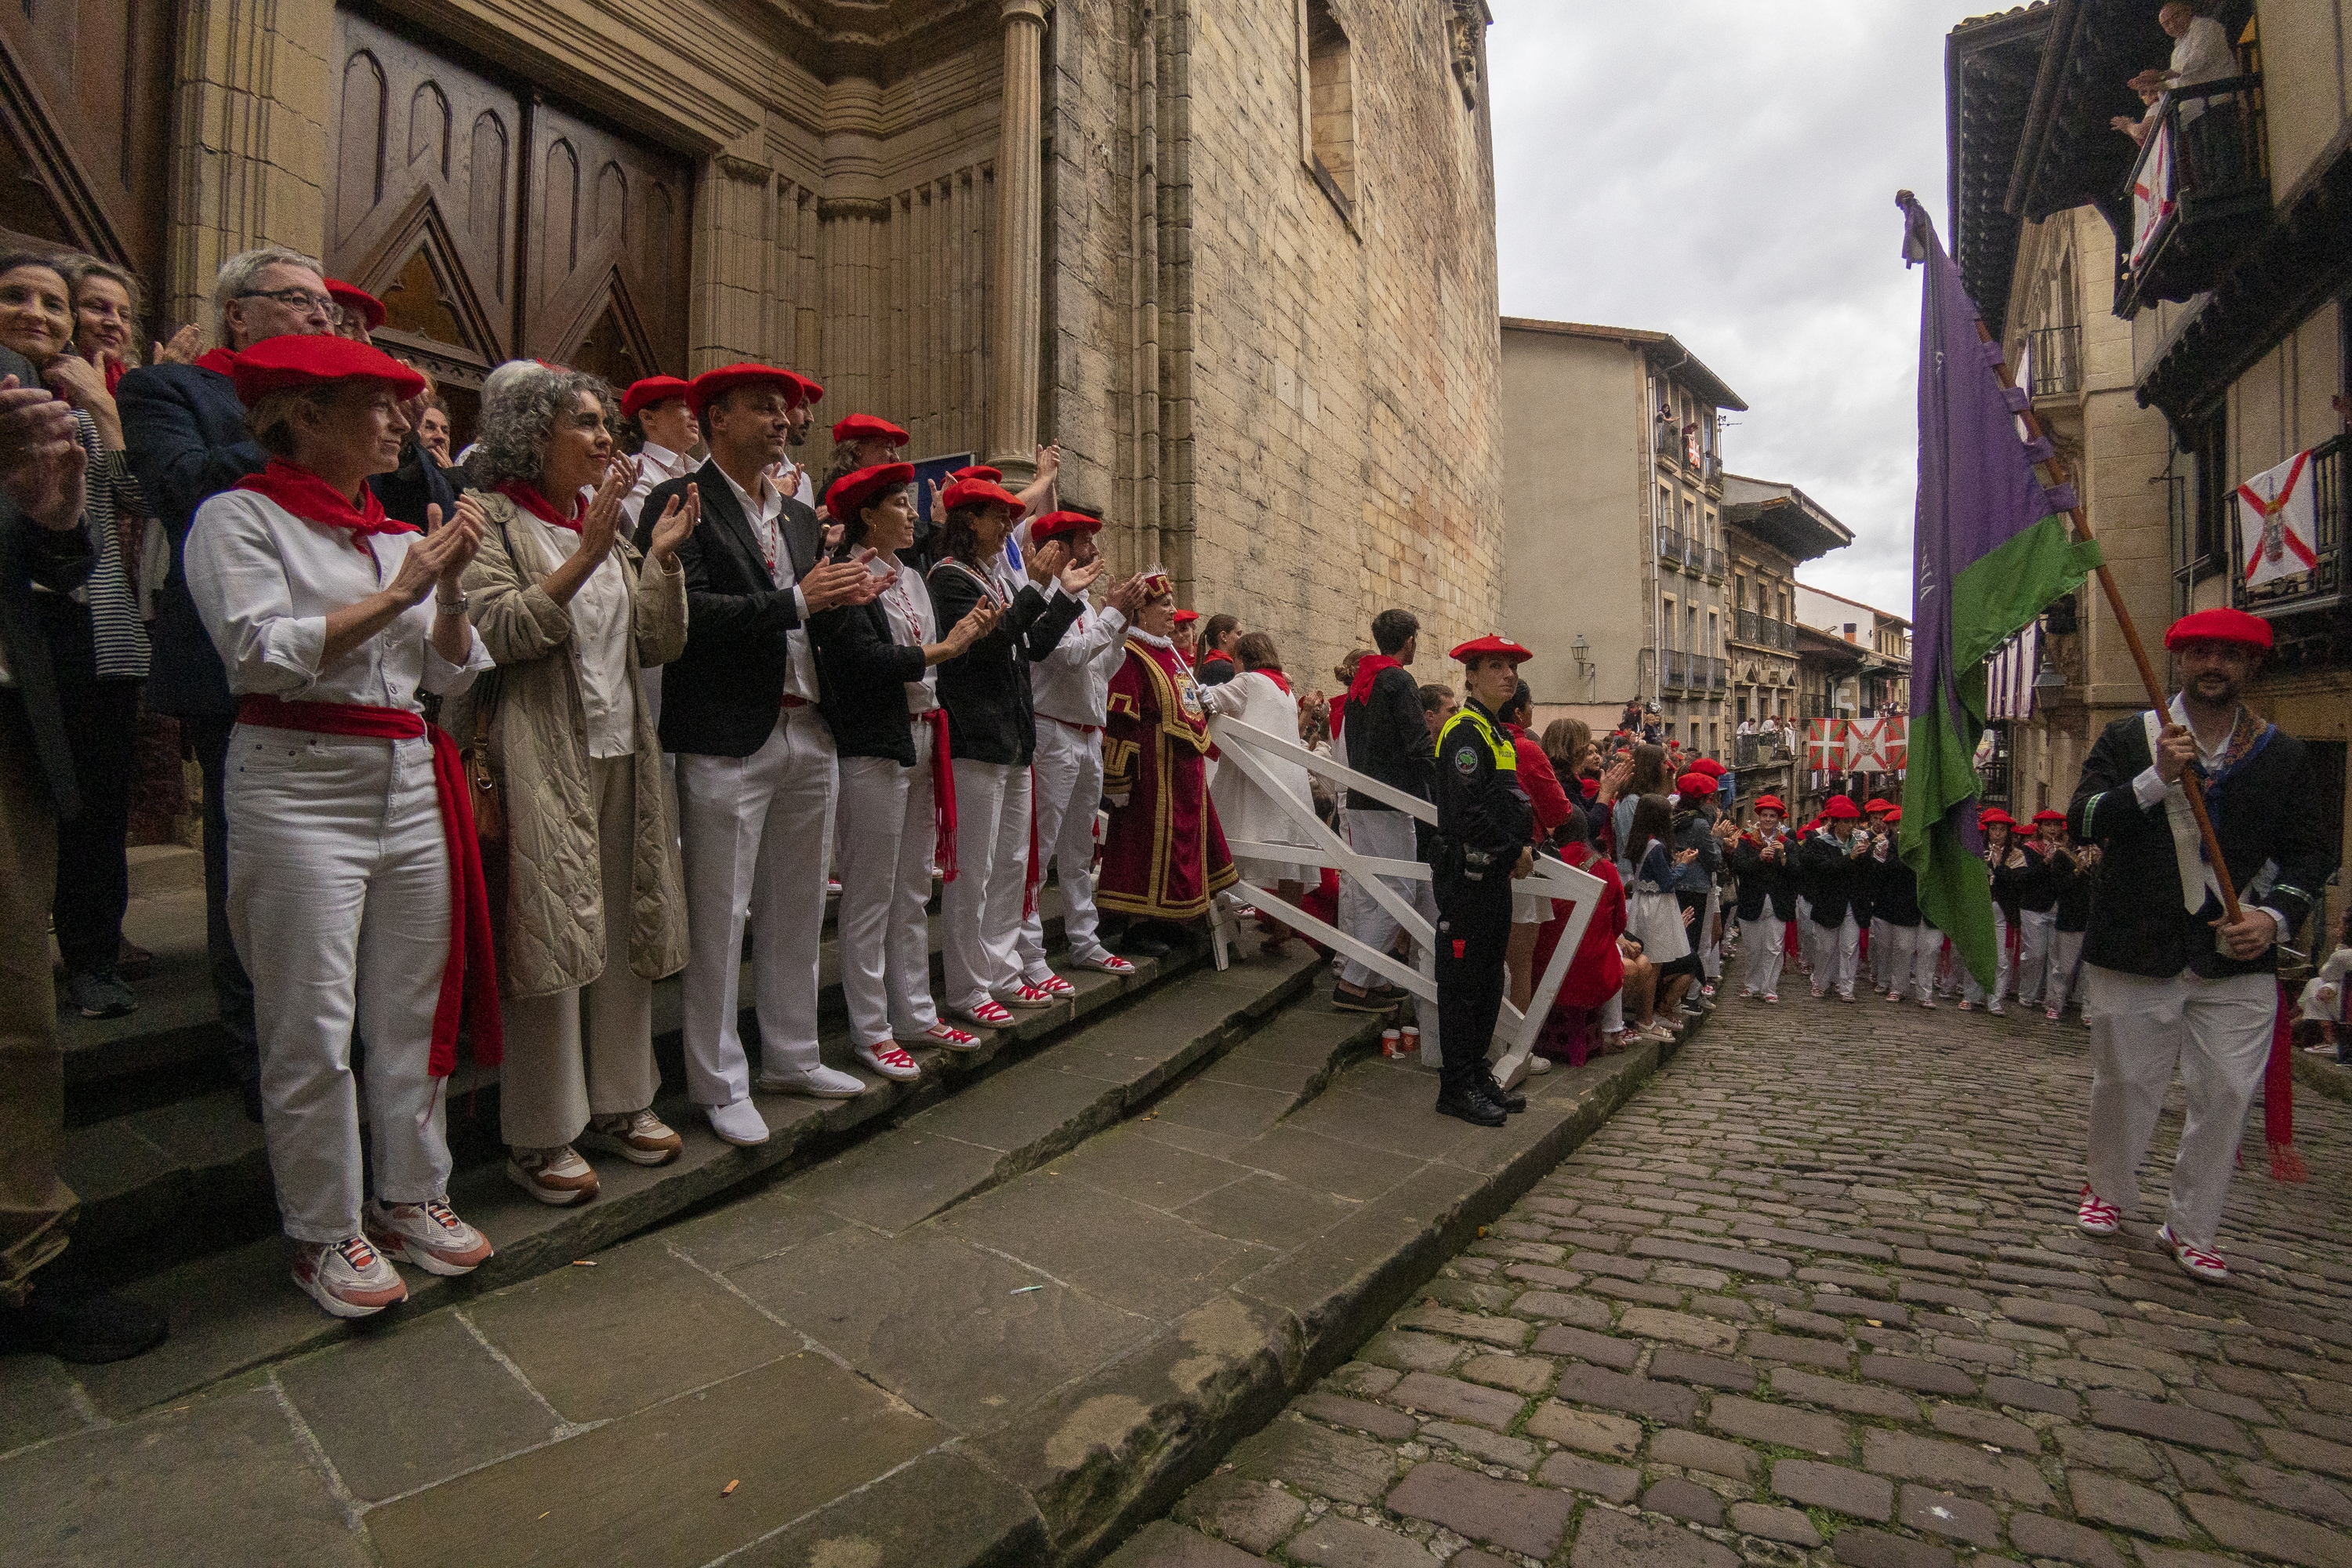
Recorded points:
(1726, 171)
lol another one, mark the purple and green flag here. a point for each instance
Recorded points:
(1991, 550)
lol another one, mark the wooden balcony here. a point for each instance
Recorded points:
(2197, 193)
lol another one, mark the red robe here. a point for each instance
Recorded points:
(1165, 856)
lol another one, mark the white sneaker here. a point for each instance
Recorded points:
(1537, 1065)
(738, 1123)
(429, 1235)
(557, 1177)
(890, 1060)
(349, 1278)
(2199, 1262)
(1106, 961)
(818, 1082)
(637, 1136)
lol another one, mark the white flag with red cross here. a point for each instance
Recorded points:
(2278, 522)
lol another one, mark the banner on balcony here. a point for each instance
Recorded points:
(2152, 192)
(1825, 744)
(1876, 745)
(2278, 522)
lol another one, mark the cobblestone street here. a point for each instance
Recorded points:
(1816, 1295)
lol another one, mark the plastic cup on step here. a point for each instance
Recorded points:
(1410, 1044)
(1390, 1041)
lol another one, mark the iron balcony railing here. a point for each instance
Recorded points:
(1714, 563)
(1765, 632)
(1677, 666)
(2199, 189)
(2057, 360)
(2319, 585)
(1674, 546)
(1718, 674)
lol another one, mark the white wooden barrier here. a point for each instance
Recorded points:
(1246, 747)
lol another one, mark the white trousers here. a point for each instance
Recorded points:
(1710, 945)
(887, 834)
(2066, 950)
(1068, 778)
(1763, 945)
(1808, 947)
(982, 905)
(754, 830)
(1880, 958)
(2035, 953)
(1906, 956)
(339, 902)
(1838, 949)
(554, 1077)
(2218, 1034)
(1390, 835)
(2004, 972)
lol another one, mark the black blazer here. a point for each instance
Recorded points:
(1895, 890)
(183, 431)
(985, 689)
(1761, 879)
(1838, 881)
(2271, 841)
(59, 560)
(1389, 738)
(721, 696)
(862, 677)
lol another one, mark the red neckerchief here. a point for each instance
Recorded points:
(313, 499)
(1367, 671)
(528, 497)
(1274, 672)
(220, 361)
(114, 369)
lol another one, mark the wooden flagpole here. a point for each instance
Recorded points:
(2157, 696)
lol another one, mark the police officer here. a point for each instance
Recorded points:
(1485, 825)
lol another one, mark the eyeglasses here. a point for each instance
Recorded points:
(298, 299)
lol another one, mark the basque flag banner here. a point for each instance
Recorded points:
(2277, 521)
(1991, 549)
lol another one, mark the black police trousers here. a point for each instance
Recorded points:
(1474, 930)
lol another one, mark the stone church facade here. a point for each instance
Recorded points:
(1236, 257)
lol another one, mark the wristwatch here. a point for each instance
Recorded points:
(449, 606)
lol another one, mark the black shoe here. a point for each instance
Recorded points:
(85, 1326)
(1510, 1099)
(1349, 1000)
(1472, 1107)
(1142, 944)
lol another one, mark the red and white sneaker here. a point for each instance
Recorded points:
(1054, 986)
(2198, 1263)
(348, 1278)
(989, 1015)
(2097, 1216)
(429, 1235)
(1773, 996)
(890, 1060)
(950, 1037)
(1027, 996)
(2050, 1014)
(1105, 961)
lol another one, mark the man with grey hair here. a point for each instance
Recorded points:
(185, 433)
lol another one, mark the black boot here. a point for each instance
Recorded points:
(1510, 1099)
(79, 1323)
(1472, 1105)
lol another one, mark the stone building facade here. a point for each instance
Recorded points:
(1235, 257)
(1769, 529)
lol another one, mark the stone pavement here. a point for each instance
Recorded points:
(1815, 1294)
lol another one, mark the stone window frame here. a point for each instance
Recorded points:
(1329, 127)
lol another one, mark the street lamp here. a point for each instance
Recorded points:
(1581, 651)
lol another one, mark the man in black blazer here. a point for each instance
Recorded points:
(1836, 862)
(42, 541)
(184, 430)
(755, 760)
(2167, 977)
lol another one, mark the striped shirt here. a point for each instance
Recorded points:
(118, 633)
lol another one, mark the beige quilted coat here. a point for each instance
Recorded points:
(550, 935)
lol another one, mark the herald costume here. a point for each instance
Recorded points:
(1165, 857)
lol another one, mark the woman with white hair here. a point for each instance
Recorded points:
(355, 882)
(595, 905)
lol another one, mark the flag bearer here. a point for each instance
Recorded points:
(1484, 824)
(2169, 979)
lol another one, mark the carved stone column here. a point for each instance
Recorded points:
(732, 264)
(1020, 188)
(253, 94)
(853, 210)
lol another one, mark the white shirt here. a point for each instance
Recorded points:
(906, 605)
(265, 581)
(765, 515)
(656, 464)
(602, 627)
(2202, 54)
(2150, 790)
(1073, 682)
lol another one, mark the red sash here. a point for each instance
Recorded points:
(943, 802)
(528, 497)
(469, 983)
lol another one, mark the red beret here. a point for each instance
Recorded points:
(1875, 804)
(1893, 813)
(644, 394)
(1186, 617)
(713, 384)
(2220, 625)
(302, 359)
(1771, 803)
(1492, 642)
(980, 492)
(1694, 784)
(1055, 524)
(1708, 766)
(867, 427)
(1993, 815)
(356, 300)
(852, 493)
(1838, 808)
(980, 471)
(2041, 816)
(811, 393)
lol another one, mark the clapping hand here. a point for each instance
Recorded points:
(185, 345)
(43, 466)
(834, 583)
(674, 526)
(1077, 578)
(1046, 560)
(1127, 597)
(602, 524)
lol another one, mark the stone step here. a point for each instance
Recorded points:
(1035, 1099)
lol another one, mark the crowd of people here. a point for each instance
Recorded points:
(490, 741)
